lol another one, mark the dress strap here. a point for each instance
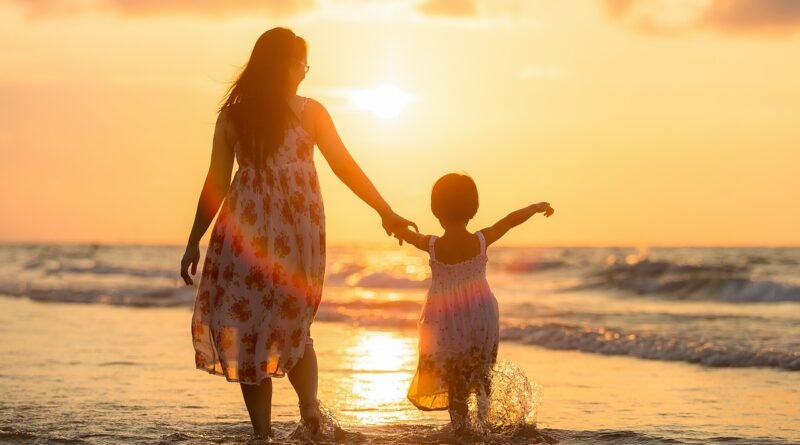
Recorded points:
(482, 241)
(431, 249)
(298, 115)
(303, 105)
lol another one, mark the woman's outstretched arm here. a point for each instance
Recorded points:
(217, 183)
(348, 171)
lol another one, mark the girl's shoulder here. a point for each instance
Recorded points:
(454, 252)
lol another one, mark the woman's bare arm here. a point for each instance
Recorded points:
(215, 187)
(218, 180)
(348, 171)
(513, 219)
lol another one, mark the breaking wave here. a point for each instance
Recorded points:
(723, 282)
(649, 346)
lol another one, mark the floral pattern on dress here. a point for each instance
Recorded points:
(458, 332)
(262, 276)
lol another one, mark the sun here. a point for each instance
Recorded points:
(384, 101)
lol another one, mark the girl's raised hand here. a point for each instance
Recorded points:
(544, 207)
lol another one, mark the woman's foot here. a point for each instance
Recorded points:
(311, 417)
(263, 435)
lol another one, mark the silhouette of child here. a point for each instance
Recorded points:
(459, 324)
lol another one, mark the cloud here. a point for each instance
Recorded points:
(444, 11)
(470, 9)
(47, 8)
(452, 8)
(769, 15)
(213, 8)
(724, 16)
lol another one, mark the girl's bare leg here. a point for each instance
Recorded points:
(258, 399)
(484, 394)
(457, 408)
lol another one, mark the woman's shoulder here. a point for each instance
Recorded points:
(225, 122)
(311, 104)
(225, 115)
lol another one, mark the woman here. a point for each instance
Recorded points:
(262, 277)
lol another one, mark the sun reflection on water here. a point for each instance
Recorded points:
(382, 365)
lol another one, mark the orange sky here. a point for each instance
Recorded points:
(641, 123)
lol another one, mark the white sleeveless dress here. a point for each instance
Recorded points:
(458, 330)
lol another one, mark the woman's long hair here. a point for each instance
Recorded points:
(256, 101)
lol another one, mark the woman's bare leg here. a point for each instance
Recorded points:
(258, 399)
(305, 378)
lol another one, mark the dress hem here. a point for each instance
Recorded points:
(426, 408)
(222, 374)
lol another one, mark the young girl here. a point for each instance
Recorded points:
(459, 325)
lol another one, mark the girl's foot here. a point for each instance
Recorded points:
(311, 417)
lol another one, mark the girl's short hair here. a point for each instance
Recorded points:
(454, 197)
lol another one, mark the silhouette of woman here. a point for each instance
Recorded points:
(262, 277)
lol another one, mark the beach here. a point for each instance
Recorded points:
(601, 196)
(111, 370)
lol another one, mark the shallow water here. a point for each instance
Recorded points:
(77, 373)
(711, 307)
(623, 346)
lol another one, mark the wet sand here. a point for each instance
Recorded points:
(103, 374)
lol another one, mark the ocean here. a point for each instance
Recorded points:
(619, 345)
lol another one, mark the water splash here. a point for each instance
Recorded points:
(329, 431)
(511, 406)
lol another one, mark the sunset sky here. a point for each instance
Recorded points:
(645, 123)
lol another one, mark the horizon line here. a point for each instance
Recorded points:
(375, 244)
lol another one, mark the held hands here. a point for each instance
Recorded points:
(190, 257)
(543, 207)
(393, 223)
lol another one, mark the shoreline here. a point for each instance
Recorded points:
(67, 354)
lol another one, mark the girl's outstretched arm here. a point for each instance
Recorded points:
(348, 171)
(513, 219)
(416, 239)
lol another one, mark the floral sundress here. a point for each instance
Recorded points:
(458, 331)
(262, 277)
